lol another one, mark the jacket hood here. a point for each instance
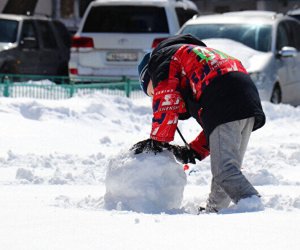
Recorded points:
(180, 39)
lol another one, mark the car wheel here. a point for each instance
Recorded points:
(276, 95)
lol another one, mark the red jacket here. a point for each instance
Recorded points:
(180, 72)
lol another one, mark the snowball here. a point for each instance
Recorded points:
(145, 182)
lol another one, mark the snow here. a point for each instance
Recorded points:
(240, 51)
(62, 162)
(144, 183)
(249, 204)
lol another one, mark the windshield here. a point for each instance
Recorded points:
(9, 30)
(127, 19)
(255, 36)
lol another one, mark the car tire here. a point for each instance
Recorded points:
(276, 95)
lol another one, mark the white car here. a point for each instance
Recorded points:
(272, 53)
(114, 35)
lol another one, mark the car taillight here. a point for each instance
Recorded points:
(156, 41)
(73, 71)
(82, 42)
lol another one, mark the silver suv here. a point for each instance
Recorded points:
(115, 34)
(272, 42)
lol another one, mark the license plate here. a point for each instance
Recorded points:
(121, 57)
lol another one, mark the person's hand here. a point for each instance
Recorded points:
(149, 145)
(184, 154)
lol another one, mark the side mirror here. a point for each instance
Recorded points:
(29, 43)
(287, 52)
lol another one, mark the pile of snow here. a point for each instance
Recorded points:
(250, 204)
(147, 182)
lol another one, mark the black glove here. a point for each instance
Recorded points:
(149, 145)
(184, 155)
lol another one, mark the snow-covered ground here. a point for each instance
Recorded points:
(54, 156)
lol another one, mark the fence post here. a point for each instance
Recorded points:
(128, 87)
(7, 82)
(72, 89)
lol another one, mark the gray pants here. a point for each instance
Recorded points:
(228, 143)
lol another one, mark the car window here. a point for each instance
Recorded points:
(254, 36)
(284, 36)
(9, 30)
(127, 19)
(47, 35)
(294, 30)
(63, 33)
(184, 14)
(28, 30)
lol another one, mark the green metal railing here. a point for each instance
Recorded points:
(55, 87)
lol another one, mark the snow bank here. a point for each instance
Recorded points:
(146, 182)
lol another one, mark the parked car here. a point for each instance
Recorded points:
(33, 45)
(294, 13)
(115, 34)
(275, 39)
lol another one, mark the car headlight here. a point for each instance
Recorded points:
(258, 78)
